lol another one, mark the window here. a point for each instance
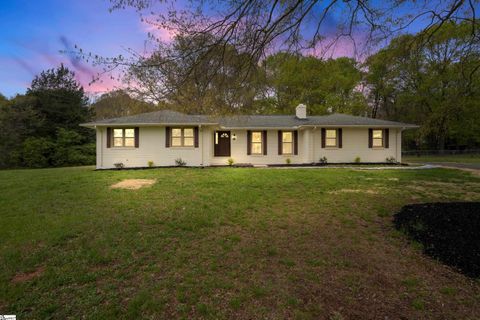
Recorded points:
(377, 138)
(182, 137)
(287, 142)
(124, 137)
(257, 142)
(331, 138)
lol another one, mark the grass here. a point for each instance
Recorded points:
(460, 158)
(224, 243)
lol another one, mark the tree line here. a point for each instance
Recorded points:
(434, 84)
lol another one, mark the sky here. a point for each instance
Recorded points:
(33, 32)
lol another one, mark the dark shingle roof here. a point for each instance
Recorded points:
(244, 121)
(277, 121)
(157, 117)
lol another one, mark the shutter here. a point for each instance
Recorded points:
(340, 138)
(137, 137)
(195, 136)
(167, 137)
(370, 138)
(109, 137)
(249, 142)
(295, 142)
(280, 150)
(264, 140)
(323, 137)
(386, 137)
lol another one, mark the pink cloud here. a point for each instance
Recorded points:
(152, 26)
(335, 47)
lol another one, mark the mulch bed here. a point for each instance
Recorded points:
(449, 232)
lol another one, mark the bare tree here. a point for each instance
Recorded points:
(256, 28)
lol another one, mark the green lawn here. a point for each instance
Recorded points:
(460, 158)
(225, 243)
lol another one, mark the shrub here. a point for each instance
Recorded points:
(70, 149)
(119, 165)
(180, 163)
(150, 164)
(323, 160)
(391, 160)
(230, 161)
(358, 160)
(37, 152)
(288, 161)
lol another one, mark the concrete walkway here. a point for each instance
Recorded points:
(458, 165)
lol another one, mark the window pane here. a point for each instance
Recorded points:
(377, 142)
(331, 142)
(188, 132)
(130, 133)
(256, 136)
(287, 137)
(257, 148)
(129, 142)
(287, 148)
(377, 134)
(188, 142)
(331, 133)
(118, 142)
(118, 133)
(176, 142)
(176, 132)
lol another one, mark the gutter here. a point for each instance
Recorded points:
(94, 124)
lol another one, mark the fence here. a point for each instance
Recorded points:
(439, 152)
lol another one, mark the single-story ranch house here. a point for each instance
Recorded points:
(160, 138)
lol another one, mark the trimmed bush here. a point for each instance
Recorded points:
(180, 163)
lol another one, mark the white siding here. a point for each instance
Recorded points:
(355, 144)
(239, 150)
(152, 148)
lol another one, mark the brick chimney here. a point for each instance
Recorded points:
(301, 111)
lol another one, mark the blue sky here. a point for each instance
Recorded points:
(32, 34)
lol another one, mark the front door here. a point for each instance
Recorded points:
(222, 143)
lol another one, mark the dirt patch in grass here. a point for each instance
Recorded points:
(369, 191)
(447, 231)
(133, 184)
(23, 277)
(474, 172)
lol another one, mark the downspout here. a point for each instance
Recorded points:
(101, 146)
(200, 129)
(396, 144)
(313, 143)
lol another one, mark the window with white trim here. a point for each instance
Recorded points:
(124, 137)
(331, 138)
(377, 138)
(182, 137)
(287, 142)
(257, 141)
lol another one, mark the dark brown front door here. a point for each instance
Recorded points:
(222, 143)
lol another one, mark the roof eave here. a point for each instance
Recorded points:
(96, 124)
(259, 127)
(403, 126)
